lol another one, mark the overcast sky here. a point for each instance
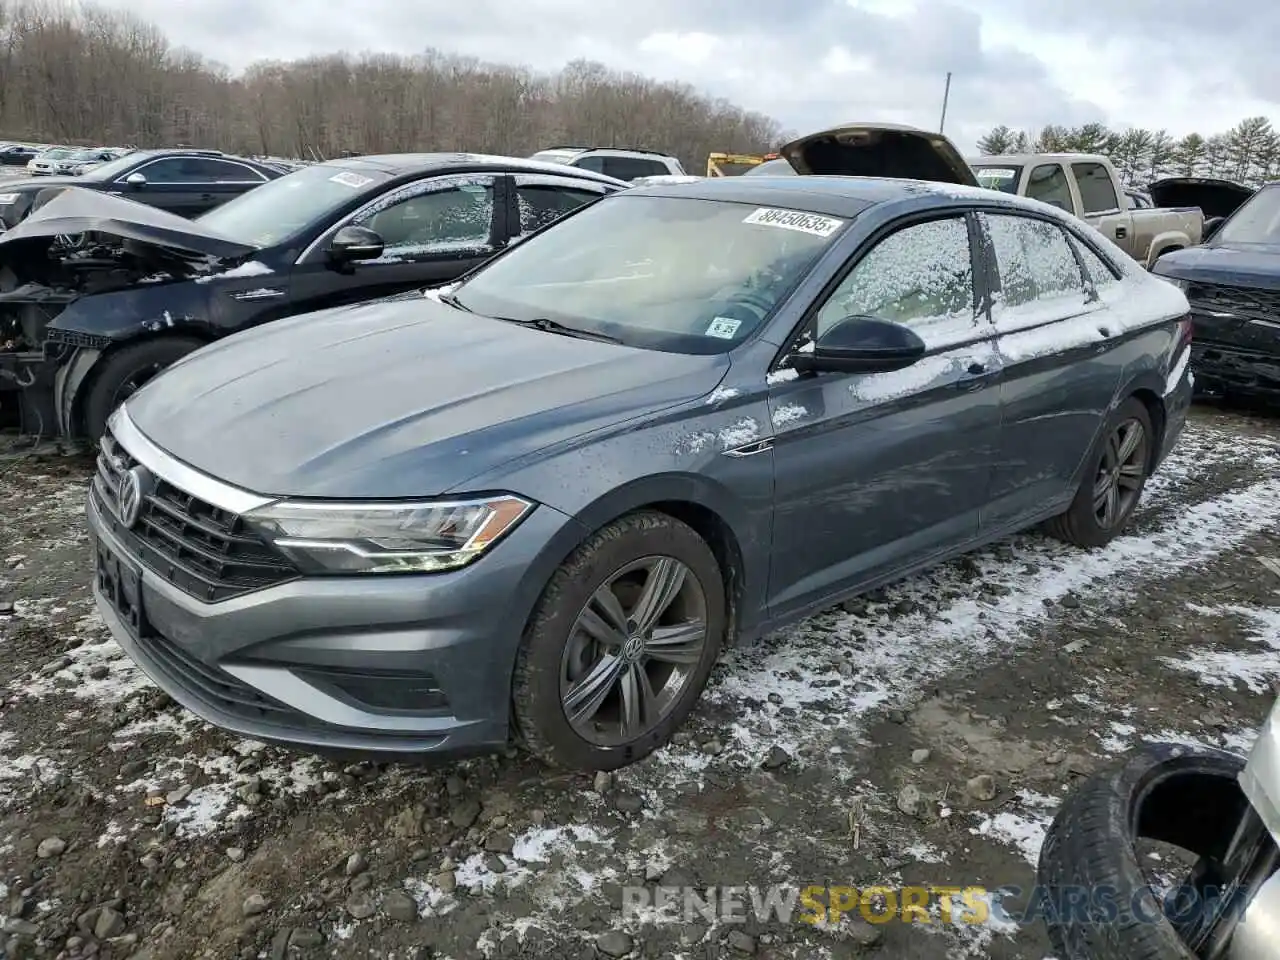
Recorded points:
(1188, 65)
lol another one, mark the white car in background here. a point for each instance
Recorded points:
(46, 164)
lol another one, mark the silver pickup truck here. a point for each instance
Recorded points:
(1087, 185)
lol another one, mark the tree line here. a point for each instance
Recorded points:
(73, 73)
(1248, 153)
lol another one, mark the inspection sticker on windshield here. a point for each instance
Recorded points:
(8, 198)
(795, 220)
(726, 328)
(348, 179)
(995, 173)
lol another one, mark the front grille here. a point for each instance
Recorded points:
(203, 550)
(1247, 300)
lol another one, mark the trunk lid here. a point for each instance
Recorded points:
(1215, 198)
(879, 150)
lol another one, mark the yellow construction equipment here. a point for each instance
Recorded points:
(734, 164)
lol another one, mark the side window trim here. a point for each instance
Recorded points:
(194, 183)
(312, 252)
(984, 329)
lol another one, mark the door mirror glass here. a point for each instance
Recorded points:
(862, 345)
(354, 243)
(136, 180)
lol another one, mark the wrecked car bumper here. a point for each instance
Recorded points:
(1224, 368)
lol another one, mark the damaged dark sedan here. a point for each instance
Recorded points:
(98, 293)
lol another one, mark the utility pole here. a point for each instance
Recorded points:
(946, 95)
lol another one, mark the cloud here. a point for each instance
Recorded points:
(1025, 63)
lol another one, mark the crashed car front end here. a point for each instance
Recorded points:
(83, 271)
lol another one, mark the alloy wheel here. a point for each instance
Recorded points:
(632, 650)
(1120, 475)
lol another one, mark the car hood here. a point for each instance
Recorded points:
(1243, 265)
(879, 150)
(70, 210)
(1215, 198)
(397, 399)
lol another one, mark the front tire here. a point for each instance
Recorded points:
(620, 644)
(1114, 478)
(122, 373)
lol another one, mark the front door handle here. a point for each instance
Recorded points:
(206, 197)
(977, 369)
(1121, 233)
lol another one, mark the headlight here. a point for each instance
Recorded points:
(373, 537)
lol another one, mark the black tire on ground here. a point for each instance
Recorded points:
(1079, 524)
(538, 714)
(1185, 796)
(118, 369)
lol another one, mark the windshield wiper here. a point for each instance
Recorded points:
(453, 301)
(547, 325)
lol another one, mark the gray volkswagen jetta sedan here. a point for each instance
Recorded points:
(540, 503)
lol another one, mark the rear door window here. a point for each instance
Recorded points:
(1040, 279)
(1048, 183)
(1097, 192)
(628, 168)
(540, 204)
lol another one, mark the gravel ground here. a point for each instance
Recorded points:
(921, 734)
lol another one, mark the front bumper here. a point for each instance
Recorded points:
(1221, 367)
(390, 665)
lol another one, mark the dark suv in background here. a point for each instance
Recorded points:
(1233, 285)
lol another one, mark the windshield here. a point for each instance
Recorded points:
(676, 274)
(112, 168)
(85, 155)
(1003, 178)
(1257, 221)
(269, 214)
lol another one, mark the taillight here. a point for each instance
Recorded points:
(1185, 330)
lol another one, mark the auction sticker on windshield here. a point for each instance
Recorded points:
(726, 328)
(812, 223)
(349, 179)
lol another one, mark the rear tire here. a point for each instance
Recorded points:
(123, 372)
(1119, 472)
(603, 582)
(1185, 796)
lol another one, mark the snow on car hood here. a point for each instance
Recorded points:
(67, 211)
(879, 150)
(397, 399)
(1247, 265)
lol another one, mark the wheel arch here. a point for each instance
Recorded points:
(81, 381)
(708, 507)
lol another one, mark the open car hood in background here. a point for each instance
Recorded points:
(879, 150)
(1215, 198)
(67, 211)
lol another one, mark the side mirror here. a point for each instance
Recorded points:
(354, 243)
(1211, 226)
(136, 180)
(862, 345)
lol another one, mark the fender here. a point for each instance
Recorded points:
(1165, 242)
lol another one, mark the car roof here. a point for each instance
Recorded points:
(833, 196)
(411, 164)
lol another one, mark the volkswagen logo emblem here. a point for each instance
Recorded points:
(134, 488)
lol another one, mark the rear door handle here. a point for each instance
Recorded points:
(206, 196)
(1121, 233)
